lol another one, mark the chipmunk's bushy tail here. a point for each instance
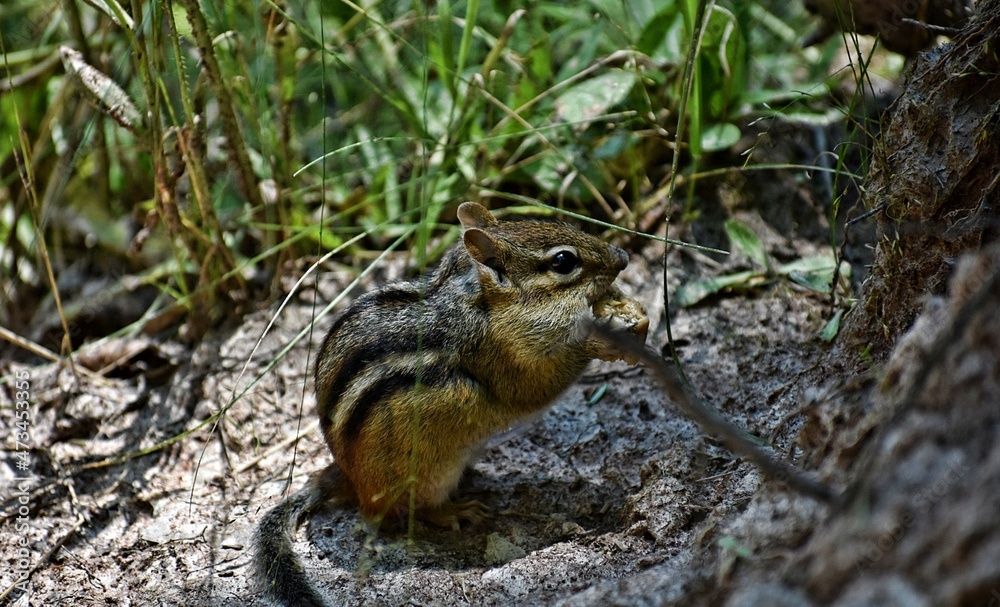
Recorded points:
(276, 570)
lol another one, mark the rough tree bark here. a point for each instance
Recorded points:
(935, 179)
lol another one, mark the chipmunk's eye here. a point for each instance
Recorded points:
(564, 262)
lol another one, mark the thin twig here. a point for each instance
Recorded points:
(26, 344)
(45, 558)
(732, 436)
(292, 439)
(865, 215)
(940, 30)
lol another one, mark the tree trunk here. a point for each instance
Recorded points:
(935, 178)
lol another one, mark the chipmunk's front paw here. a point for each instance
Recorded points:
(622, 313)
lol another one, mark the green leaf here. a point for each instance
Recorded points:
(809, 264)
(471, 14)
(733, 545)
(445, 47)
(692, 293)
(592, 98)
(719, 137)
(586, 52)
(832, 327)
(744, 239)
(114, 10)
(598, 395)
(661, 38)
(614, 145)
(815, 273)
(546, 172)
(181, 22)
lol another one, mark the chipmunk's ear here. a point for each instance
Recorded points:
(480, 245)
(475, 215)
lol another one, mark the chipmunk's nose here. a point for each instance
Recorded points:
(620, 256)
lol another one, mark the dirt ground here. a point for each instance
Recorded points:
(611, 497)
(609, 483)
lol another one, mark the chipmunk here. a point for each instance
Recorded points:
(414, 377)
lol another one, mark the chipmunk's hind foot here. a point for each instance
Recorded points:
(451, 514)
